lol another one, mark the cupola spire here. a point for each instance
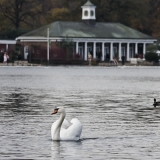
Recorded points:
(88, 12)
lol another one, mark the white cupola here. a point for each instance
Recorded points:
(88, 11)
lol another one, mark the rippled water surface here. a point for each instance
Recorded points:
(114, 106)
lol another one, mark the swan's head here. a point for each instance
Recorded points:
(58, 110)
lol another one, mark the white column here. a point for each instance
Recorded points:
(144, 48)
(6, 47)
(120, 52)
(94, 50)
(48, 41)
(85, 52)
(136, 48)
(77, 47)
(111, 51)
(103, 51)
(128, 52)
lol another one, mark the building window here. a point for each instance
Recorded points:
(131, 52)
(89, 49)
(26, 49)
(123, 51)
(86, 13)
(2, 49)
(92, 13)
(114, 50)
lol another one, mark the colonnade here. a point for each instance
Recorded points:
(110, 45)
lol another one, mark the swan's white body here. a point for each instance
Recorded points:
(64, 130)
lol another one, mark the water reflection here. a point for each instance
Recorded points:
(19, 103)
(62, 149)
(55, 149)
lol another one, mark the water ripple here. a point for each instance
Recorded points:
(113, 104)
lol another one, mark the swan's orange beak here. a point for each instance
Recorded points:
(55, 111)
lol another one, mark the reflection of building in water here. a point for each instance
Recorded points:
(98, 38)
(19, 102)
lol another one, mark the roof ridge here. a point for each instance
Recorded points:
(88, 3)
(81, 29)
(58, 26)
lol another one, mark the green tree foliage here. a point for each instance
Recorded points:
(154, 16)
(153, 47)
(58, 14)
(151, 57)
(66, 43)
(12, 33)
(142, 15)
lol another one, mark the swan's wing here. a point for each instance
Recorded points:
(66, 124)
(76, 128)
(73, 132)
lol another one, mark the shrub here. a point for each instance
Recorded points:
(151, 57)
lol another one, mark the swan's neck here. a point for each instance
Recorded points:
(56, 135)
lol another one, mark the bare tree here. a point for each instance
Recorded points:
(20, 12)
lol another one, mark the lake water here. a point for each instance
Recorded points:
(114, 105)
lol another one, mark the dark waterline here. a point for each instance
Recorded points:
(113, 104)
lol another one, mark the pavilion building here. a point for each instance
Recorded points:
(88, 36)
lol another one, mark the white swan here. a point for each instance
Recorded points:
(64, 130)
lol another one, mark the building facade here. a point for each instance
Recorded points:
(102, 40)
(6, 46)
